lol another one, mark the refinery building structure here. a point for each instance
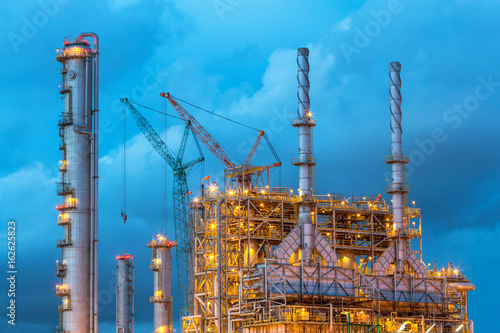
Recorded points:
(265, 259)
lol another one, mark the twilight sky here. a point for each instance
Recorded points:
(238, 58)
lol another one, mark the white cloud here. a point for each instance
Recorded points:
(29, 197)
(279, 81)
(344, 25)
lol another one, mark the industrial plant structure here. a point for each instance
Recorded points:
(161, 265)
(264, 259)
(78, 188)
(125, 294)
(269, 260)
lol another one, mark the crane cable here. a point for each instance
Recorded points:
(233, 121)
(124, 170)
(163, 174)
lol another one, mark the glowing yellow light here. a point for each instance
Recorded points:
(213, 226)
(211, 257)
(358, 215)
(328, 234)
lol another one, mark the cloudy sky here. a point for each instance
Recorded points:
(238, 58)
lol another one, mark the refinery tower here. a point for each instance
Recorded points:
(269, 260)
(78, 186)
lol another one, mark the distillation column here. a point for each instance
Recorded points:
(78, 126)
(305, 160)
(125, 294)
(397, 159)
(161, 267)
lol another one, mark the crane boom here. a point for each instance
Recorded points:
(201, 133)
(151, 135)
(254, 148)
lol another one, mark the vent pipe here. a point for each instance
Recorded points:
(305, 161)
(397, 159)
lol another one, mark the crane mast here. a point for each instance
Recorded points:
(183, 232)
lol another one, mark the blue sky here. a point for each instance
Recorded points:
(238, 58)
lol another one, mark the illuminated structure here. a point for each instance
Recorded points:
(268, 260)
(161, 267)
(78, 188)
(125, 294)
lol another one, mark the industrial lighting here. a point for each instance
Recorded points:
(402, 327)
(430, 328)
(459, 328)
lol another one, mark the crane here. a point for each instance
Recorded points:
(201, 133)
(185, 263)
(242, 172)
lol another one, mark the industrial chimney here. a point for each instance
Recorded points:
(397, 159)
(125, 294)
(161, 267)
(305, 161)
(78, 188)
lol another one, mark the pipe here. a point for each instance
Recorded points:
(87, 115)
(331, 316)
(95, 179)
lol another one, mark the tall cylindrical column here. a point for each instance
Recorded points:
(125, 294)
(305, 160)
(161, 267)
(75, 187)
(397, 159)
